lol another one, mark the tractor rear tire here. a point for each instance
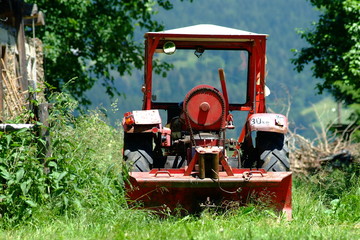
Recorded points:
(138, 151)
(138, 160)
(273, 152)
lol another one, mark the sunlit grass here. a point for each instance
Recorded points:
(314, 217)
(325, 205)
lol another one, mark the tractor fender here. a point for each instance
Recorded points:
(146, 121)
(268, 122)
(142, 121)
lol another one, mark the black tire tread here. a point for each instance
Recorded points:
(273, 152)
(138, 151)
(138, 160)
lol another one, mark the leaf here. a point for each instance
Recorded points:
(21, 130)
(66, 201)
(31, 203)
(15, 144)
(77, 203)
(271, 213)
(20, 174)
(2, 197)
(248, 210)
(24, 188)
(8, 139)
(5, 174)
(52, 164)
(61, 175)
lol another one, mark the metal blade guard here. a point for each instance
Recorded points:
(183, 190)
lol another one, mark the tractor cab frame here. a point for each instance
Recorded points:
(212, 37)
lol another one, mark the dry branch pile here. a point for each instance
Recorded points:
(308, 156)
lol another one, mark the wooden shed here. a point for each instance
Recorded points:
(21, 58)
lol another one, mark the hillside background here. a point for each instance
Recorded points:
(278, 18)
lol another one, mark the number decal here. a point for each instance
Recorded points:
(260, 121)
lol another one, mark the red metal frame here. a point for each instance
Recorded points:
(254, 44)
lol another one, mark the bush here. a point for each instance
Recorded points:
(84, 170)
(21, 174)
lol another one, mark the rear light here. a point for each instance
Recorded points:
(155, 130)
(129, 118)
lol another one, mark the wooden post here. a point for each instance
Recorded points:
(20, 38)
(43, 113)
(2, 56)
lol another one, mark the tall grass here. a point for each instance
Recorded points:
(88, 153)
(315, 217)
(83, 172)
(333, 196)
(78, 193)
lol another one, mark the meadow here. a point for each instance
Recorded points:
(77, 193)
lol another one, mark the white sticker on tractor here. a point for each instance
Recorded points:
(145, 117)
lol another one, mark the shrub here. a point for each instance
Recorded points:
(21, 174)
(84, 170)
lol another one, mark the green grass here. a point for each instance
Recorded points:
(325, 206)
(314, 218)
(82, 196)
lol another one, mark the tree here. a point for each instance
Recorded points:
(86, 40)
(335, 50)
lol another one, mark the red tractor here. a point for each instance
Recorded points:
(183, 150)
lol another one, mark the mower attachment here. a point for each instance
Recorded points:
(169, 189)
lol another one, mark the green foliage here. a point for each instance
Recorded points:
(333, 195)
(78, 192)
(88, 154)
(335, 50)
(83, 172)
(21, 174)
(90, 39)
(315, 216)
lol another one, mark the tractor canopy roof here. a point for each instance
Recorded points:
(240, 53)
(203, 32)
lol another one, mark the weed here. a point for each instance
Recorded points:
(84, 170)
